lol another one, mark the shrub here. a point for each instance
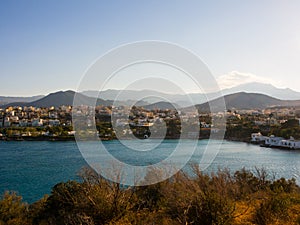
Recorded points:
(12, 210)
(272, 209)
(186, 198)
(283, 185)
(202, 200)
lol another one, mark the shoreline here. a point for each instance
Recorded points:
(72, 138)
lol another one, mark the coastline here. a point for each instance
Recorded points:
(72, 138)
(39, 138)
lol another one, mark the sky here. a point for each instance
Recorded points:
(46, 46)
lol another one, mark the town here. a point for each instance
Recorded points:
(55, 123)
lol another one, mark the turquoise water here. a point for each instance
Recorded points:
(33, 168)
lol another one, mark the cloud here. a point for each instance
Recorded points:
(235, 78)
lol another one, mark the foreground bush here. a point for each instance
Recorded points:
(12, 210)
(194, 198)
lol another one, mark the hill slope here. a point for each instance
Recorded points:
(267, 89)
(61, 98)
(4, 100)
(244, 100)
(161, 105)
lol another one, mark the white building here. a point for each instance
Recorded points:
(6, 122)
(258, 138)
(37, 122)
(290, 144)
(71, 133)
(273, 141)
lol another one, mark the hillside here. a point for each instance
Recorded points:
(243, 100)
(4, 100)
(266, 89)
(61, 98)
(160, 105)
(125, 95)
(56, 99)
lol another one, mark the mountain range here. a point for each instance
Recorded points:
(130, 97)
(267, 89)
(243, 100)
(233, 98)
(240, 100)
(196, 98)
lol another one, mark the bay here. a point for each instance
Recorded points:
(33, 168)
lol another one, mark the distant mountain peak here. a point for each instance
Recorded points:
(264, 88)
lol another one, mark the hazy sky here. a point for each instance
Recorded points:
(46, 46)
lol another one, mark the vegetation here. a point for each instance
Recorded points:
(195, 198)
(35, 132)
(289, 128)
